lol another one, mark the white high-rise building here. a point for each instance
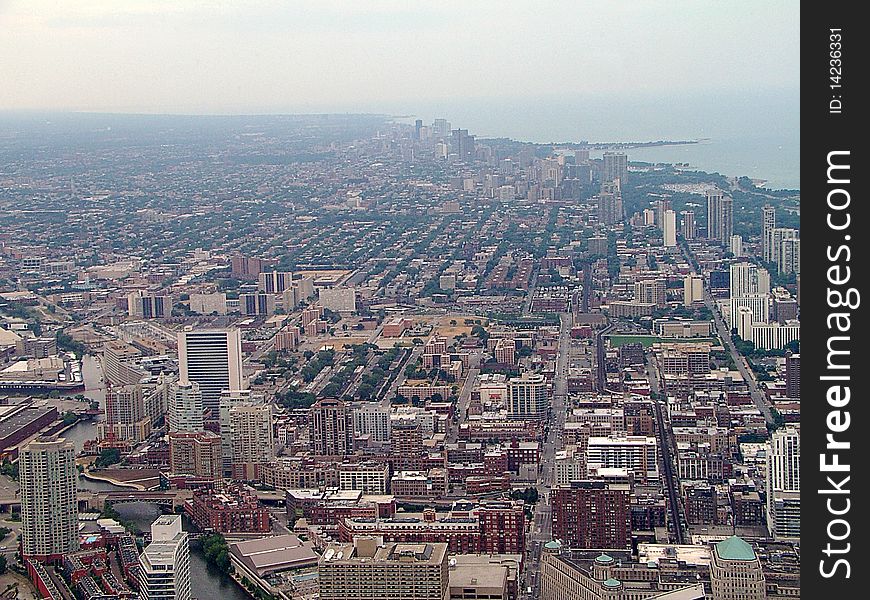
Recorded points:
(49, 505)
(211, 358)
(186, 407)
(768, 224)
(759, 304)
(528, 397)
(736, 246)
(783, 483)
(372, 419)
(164, 566)
(669, 228)
(720, 216)
(748, 279)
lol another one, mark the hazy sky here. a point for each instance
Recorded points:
(283, 56)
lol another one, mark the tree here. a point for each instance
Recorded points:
(108, 457)
(3, 563)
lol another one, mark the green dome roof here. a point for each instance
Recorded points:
(604, 559)
(612, 583)
(735, 548)
(553, 545)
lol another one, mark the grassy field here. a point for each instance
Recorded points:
(648, 340)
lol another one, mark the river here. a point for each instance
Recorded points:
(206, 582)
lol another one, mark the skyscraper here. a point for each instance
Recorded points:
(185, 409)
(689, 229)
(211, 358)
(252, 440)
(783, 483)
(615, 166)
(793, 375)
(274, 282)
(164, 566)
(669, 229)
(331, 428)
(462, 145)
(610, 211)
(126, 420)
(768, 224)
(49, 506)
(720, 216)
(747, 279)
(528, 397)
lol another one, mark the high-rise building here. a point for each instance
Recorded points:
(211, 358)
(440, 128)
(735, 572)
(126, 420)
(720, 216)
(372, 419)
(783, 483)
(592, 514)
(651, 291)
(735, 245)
(142, 305)
(185, 407)
(248, 268)
(747, 279)
(768, 224)
(255, 305)
(615, 166)
(196, 453)
(790, 256)
(528, 397)
(49, 505)
(369, 569)
(274, 282)
(462, 145)
(688, 228)
(793, 375)
(669, 228)
(253, 441)
(610, 210)
(778, 236)
(693, 289)
(331, 428)
(164, 566)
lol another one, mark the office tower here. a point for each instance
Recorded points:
(610, 211)
(418, 128)
(735, 572)
(615, 166)
(196, 453)
(255, 305)
(253, 441)
(49, 505)
(688, 228)
(211, 358)
(185, 407)
(164, 566)
(274, 282)
(462, 145)
(142, 305)
(373, 420)
(331, 428)
(747, 279)
(693, 289)
(528, 397)
(592, 514)
(651, 291)
(768, 224)
(735, 245)
(783, 483)
(372, 570)
(669, 229)
(720, 216)
(126, 420)
(793, 375)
